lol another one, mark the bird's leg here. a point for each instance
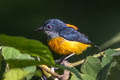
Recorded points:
(64, 58)
(60, 59)
(67, 57)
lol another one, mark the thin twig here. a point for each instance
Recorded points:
(44, 67)
(96, 55)
(77, 63)
(49, 73)
(81, 61)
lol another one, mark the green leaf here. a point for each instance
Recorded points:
(91, 67)
(117, 59)
(114, 73)
(15, 74)
(10, 53)
(110, 52)
(16, 59)
(28, 46)
(38, 73)
(107, 63)
(2, 64)
(87, 77)
(1, 59)
(76, 72)
(105, 71)
(72, 69)
(74, 77)
(108, 56)
(23, 63)
(31, 69)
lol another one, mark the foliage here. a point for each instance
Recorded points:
(31, 47)
(19, 61)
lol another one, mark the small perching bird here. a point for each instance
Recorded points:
(64, 38)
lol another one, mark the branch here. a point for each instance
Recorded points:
(65, 76)
(48, 72)
(96, 55)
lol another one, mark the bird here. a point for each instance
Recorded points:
(63, 38)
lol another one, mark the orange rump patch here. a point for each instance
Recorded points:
(70, 25)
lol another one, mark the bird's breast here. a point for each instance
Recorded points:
(63, 46)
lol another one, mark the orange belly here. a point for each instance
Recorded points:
(63, 46)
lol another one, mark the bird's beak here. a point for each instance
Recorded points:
(39, 29)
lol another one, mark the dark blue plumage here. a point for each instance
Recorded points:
(56, 27)
(64, 39)
(73, 35)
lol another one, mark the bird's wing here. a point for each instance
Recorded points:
(73, 35)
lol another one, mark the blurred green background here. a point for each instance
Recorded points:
(98, 19)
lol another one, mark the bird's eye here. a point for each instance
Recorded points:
(49, 26)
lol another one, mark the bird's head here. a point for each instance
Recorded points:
(52, 27)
